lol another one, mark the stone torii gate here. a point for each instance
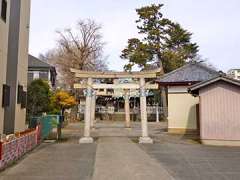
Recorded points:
(89, 114)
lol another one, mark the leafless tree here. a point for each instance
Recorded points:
(80, 48)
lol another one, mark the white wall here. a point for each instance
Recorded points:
(23, 61)
(181, 110)
(4, 27)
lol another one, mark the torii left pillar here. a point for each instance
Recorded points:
(87, 115)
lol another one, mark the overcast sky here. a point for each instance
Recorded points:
(215, 25)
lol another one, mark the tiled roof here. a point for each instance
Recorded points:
(191, 72)
(34, 62)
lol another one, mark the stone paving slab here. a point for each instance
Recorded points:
(197, 162)
(55, 162)
(118, 158)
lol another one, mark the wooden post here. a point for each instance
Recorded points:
(87, 114)
(127, 109)
(143, 103)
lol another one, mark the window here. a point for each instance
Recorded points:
(35, 75)
(6, 96)
(22, 97)
(30, 77)
(43, 76)
(24, 100)
(4, 10)
(20, 94)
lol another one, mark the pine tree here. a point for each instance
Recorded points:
(162, 38)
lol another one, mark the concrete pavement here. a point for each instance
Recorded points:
(63, 161)
(118, 158)
(197, 162)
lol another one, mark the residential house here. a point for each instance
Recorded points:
(38, 69)
(14, 38)
(234, 73)
(219, 110)
(182, 106)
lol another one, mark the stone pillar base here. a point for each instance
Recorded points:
(93, 127)
(86, 140)
(145, 140)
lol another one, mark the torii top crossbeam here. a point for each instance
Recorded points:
(115, 75)
(90, 75)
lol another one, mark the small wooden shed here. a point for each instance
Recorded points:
(219, 110)
(182, 106)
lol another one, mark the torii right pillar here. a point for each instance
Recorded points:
(145, 139)
(127, 109)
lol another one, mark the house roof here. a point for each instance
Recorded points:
(221, 77)
(192, 72)
(235, 69)
(34, 62)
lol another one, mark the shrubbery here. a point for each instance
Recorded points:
(41, 99)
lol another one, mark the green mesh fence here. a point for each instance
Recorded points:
(47, 124)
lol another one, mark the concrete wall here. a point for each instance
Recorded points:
(20, 118)
(182, 116)
(220, 113)
(4, 28)
(14, 35)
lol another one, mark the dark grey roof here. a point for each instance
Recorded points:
(221, 77)
(34, 62)
(191, 72)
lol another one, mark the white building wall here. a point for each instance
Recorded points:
(182, 116)
(234, 73)
(4, 27)
(23, 61)
(20, 115)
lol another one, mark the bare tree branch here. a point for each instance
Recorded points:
(80, 48)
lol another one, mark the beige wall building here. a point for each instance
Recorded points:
(182, 107)
(14, 38)
(4, 28)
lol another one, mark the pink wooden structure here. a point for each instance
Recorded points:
(219, 110)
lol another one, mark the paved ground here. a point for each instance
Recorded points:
(118, 158)
(115, 155)
(197, 162)
(56, 161)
